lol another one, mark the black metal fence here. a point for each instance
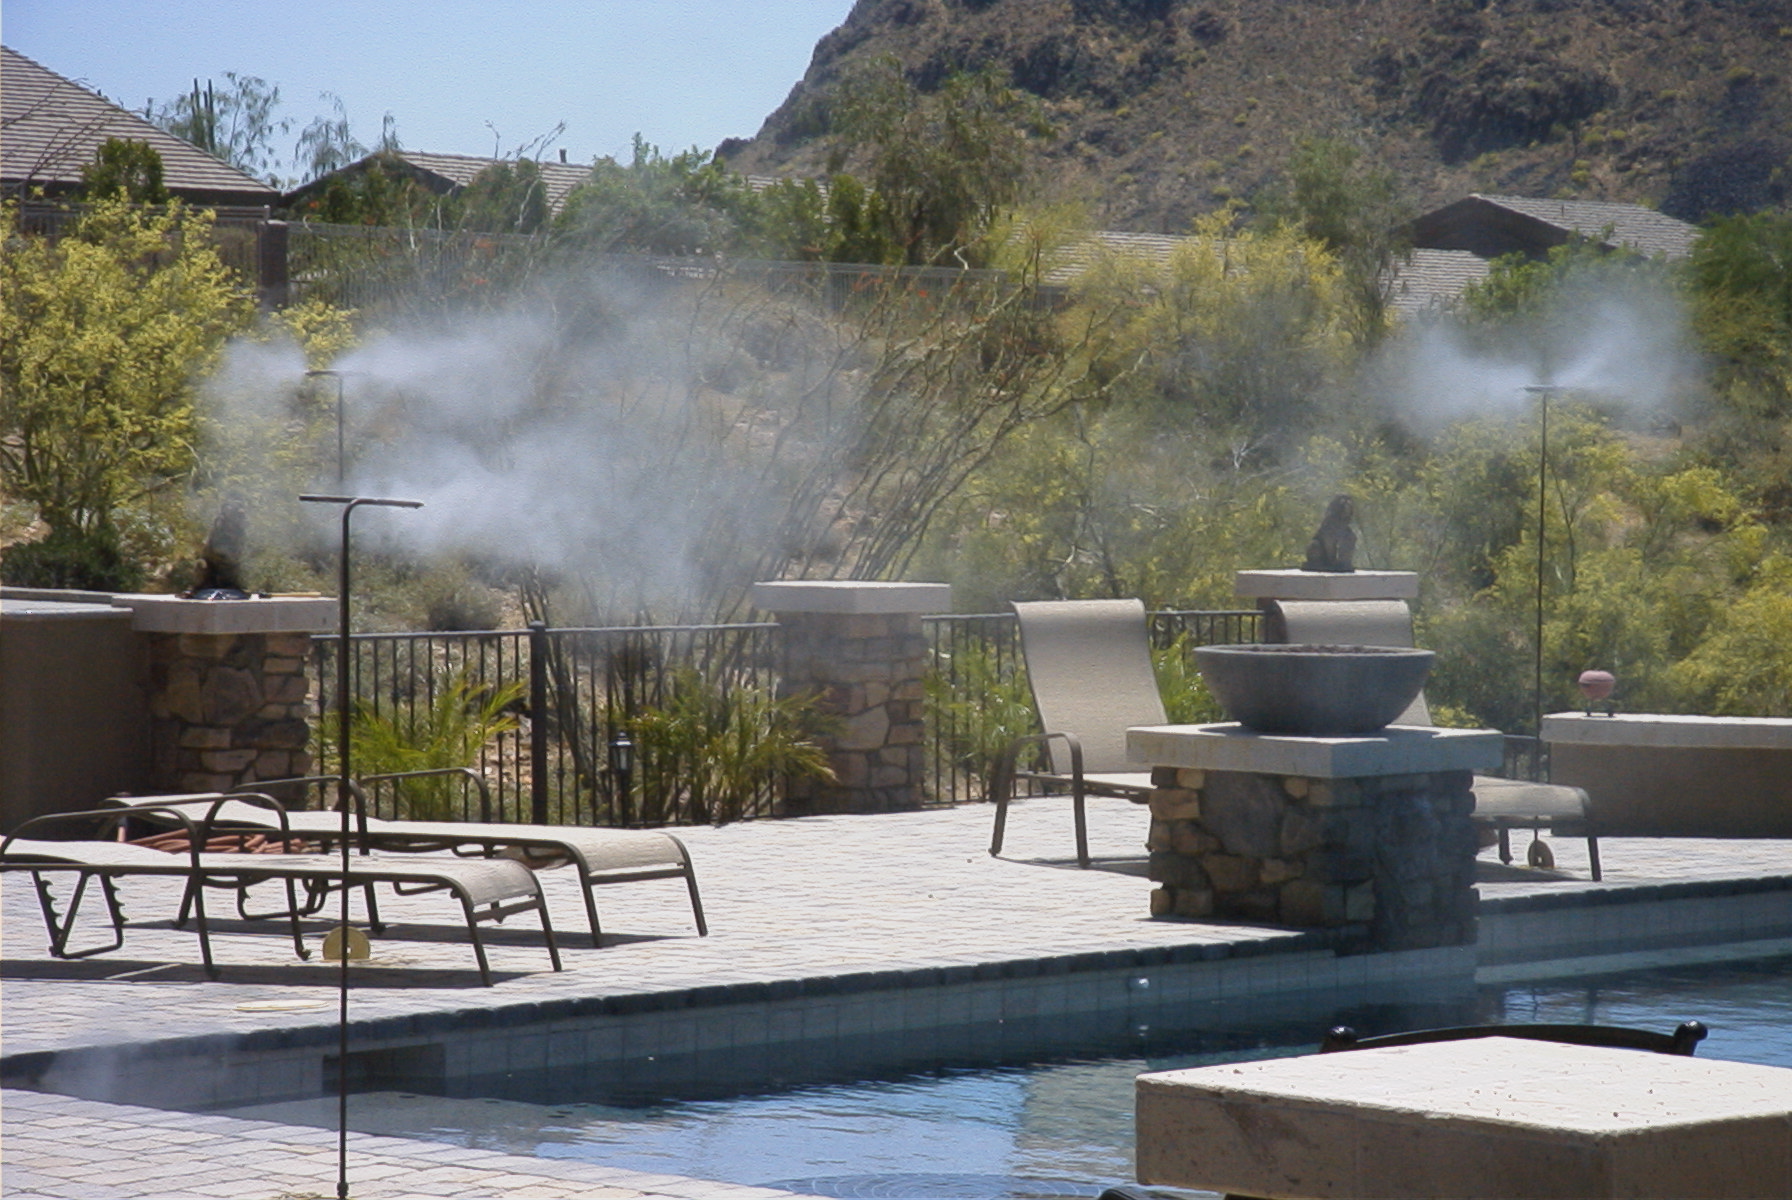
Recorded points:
(624, 726)
(550, 718)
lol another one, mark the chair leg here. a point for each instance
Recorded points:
(1001, 786)
(690, 883)
(597, 929)
(1593, 856)
(1082, 823)
(472, 914)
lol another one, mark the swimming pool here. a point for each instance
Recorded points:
(1057, 1124)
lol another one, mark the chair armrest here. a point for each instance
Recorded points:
(1001, 781)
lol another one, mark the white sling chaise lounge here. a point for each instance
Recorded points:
(602, 856)
(487, 889)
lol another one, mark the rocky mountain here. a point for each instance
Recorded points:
(1164, 109)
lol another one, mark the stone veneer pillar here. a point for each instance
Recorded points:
(859, 647)
(229, 693)
(1365, 832)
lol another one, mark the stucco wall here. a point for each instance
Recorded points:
(74, 723)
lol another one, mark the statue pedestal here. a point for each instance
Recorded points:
(1327, 585)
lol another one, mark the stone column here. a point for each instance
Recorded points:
(859, 647)
(229, 693)
(1371, 832)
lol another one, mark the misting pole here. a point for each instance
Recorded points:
(350, 504)
(1542, 391)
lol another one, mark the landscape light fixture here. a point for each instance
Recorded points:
(622, 764)
(343, 805)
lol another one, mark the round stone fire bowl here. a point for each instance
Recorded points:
(1316, 691)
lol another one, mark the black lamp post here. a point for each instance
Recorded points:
(343, 805)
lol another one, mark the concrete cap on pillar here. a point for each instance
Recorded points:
(851, 596)
(1396, 750)
(260, 614)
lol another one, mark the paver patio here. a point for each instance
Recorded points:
(893, 897)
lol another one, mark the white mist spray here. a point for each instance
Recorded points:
(1625, 348)
(569, 431)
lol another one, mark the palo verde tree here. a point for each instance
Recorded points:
(1740, 277)
(102, 333)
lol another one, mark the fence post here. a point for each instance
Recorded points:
(538, 722)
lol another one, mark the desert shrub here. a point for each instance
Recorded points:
(709, 749)
(449, 730)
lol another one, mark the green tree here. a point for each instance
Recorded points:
(942, 164)
(236, 124)
(1740, 277)
(1353, 207)
(131, 167)
(1205, 322)
(687, 204)
(506, 197)
(382, 193)
(102, 334)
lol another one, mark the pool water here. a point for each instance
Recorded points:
(1054, 1126)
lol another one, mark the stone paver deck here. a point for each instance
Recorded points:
(820, 898)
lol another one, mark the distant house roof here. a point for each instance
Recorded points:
(447, 173)
(1433, 279)
(51, 127)
(1073, 258)
(1489, 226)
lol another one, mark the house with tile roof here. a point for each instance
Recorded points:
(1491, 226)
(51, 127)
(445, 174)
(1454, 246)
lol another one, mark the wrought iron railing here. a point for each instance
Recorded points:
(601, 726)
(555, 705)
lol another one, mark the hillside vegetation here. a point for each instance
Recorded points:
(1165, 109)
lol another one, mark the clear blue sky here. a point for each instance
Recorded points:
(680, 72)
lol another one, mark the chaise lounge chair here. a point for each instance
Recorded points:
(602, 856)
(1089, 663)
(488, 889)
(1500, 804)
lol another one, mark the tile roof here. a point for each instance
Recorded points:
(1070, 260)
(1433, 279)
(1632, 225)
(50, 128)
(456, 171)
(1641, 229)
